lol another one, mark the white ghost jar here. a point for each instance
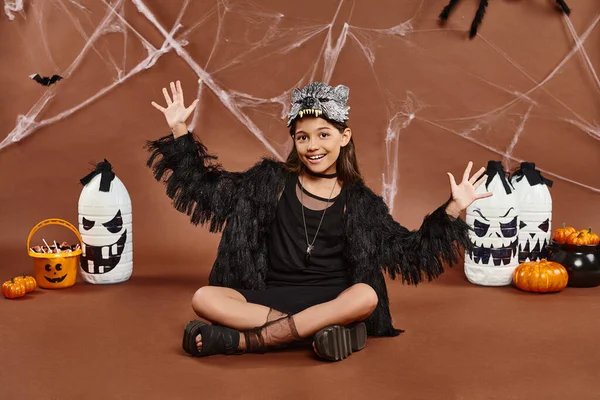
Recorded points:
(495, 224)
(105, 222)
(535, 212)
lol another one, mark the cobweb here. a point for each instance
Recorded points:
(221, 40)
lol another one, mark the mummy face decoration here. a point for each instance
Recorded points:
(498, 238)
(105, 225)
(534, 241)
(535, 212)
(101, 258)
(494, 233)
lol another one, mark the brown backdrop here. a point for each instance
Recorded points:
(424, 101)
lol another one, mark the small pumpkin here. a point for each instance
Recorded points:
(584, 237)
(562, 234)
(541, 276)
(12, 289)
(28, 281)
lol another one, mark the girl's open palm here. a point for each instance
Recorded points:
(464, 194)
(175, 112)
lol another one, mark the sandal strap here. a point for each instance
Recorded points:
(221, 340)
(216, 339)
(230, 338)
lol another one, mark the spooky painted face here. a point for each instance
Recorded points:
(100, 259)
(536, 242)
(55, 273)
(318, 144)
(499, 238)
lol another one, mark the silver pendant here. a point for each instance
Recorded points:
(309, 250)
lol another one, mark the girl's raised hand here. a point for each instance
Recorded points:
(464, 193)
(176, 112)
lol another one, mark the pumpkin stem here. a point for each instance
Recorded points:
(564, 225)
(590, 229)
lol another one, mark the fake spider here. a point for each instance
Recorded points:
(481, 11)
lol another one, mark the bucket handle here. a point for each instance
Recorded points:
(53, 221)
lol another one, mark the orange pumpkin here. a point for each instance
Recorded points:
(12, 289)
(583, 238)
(540, 276)
(28, 281)
(562, 234)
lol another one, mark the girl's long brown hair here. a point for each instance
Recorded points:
(346, 164)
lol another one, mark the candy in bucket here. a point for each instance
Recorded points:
(63, 247)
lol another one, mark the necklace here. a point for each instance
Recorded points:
(310, 246)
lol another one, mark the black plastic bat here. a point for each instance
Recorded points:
(44, 80)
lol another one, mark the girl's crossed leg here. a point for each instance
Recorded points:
(262, 327)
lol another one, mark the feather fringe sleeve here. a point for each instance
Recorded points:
(422, 254)
(197, 184)
(376, 240)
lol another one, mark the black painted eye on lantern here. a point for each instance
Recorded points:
(545, 225)
(48, 267)
(522, 224)
(115, 224)
(480, 228)
(59, 267)
(509, 229)
(87, 224)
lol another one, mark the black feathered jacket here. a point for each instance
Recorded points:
(242, 205)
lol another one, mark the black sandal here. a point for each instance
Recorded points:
(216, 339)
(336, 342)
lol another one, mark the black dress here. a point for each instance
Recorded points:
(295, 282)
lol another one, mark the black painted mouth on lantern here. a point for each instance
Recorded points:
(500, 255)
(94, 263)
(56, 280)
(538, 252)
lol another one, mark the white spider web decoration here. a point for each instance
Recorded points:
(206, 37)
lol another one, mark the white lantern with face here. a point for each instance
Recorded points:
(495, 223)
(535, 212)
(105, 222)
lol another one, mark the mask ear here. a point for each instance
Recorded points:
(296, 95)
(342, 92)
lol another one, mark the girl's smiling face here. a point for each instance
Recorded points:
(318, 144)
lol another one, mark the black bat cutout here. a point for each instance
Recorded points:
(44, 80)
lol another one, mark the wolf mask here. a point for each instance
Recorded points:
(319, 99)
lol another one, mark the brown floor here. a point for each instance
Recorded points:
(461, 342)
(447, 100)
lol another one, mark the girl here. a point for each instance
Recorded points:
(304, 243)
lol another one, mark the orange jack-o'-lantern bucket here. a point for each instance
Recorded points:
(55, 270)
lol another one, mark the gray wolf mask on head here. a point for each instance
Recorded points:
(319, 99)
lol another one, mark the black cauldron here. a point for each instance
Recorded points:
(582, 262)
